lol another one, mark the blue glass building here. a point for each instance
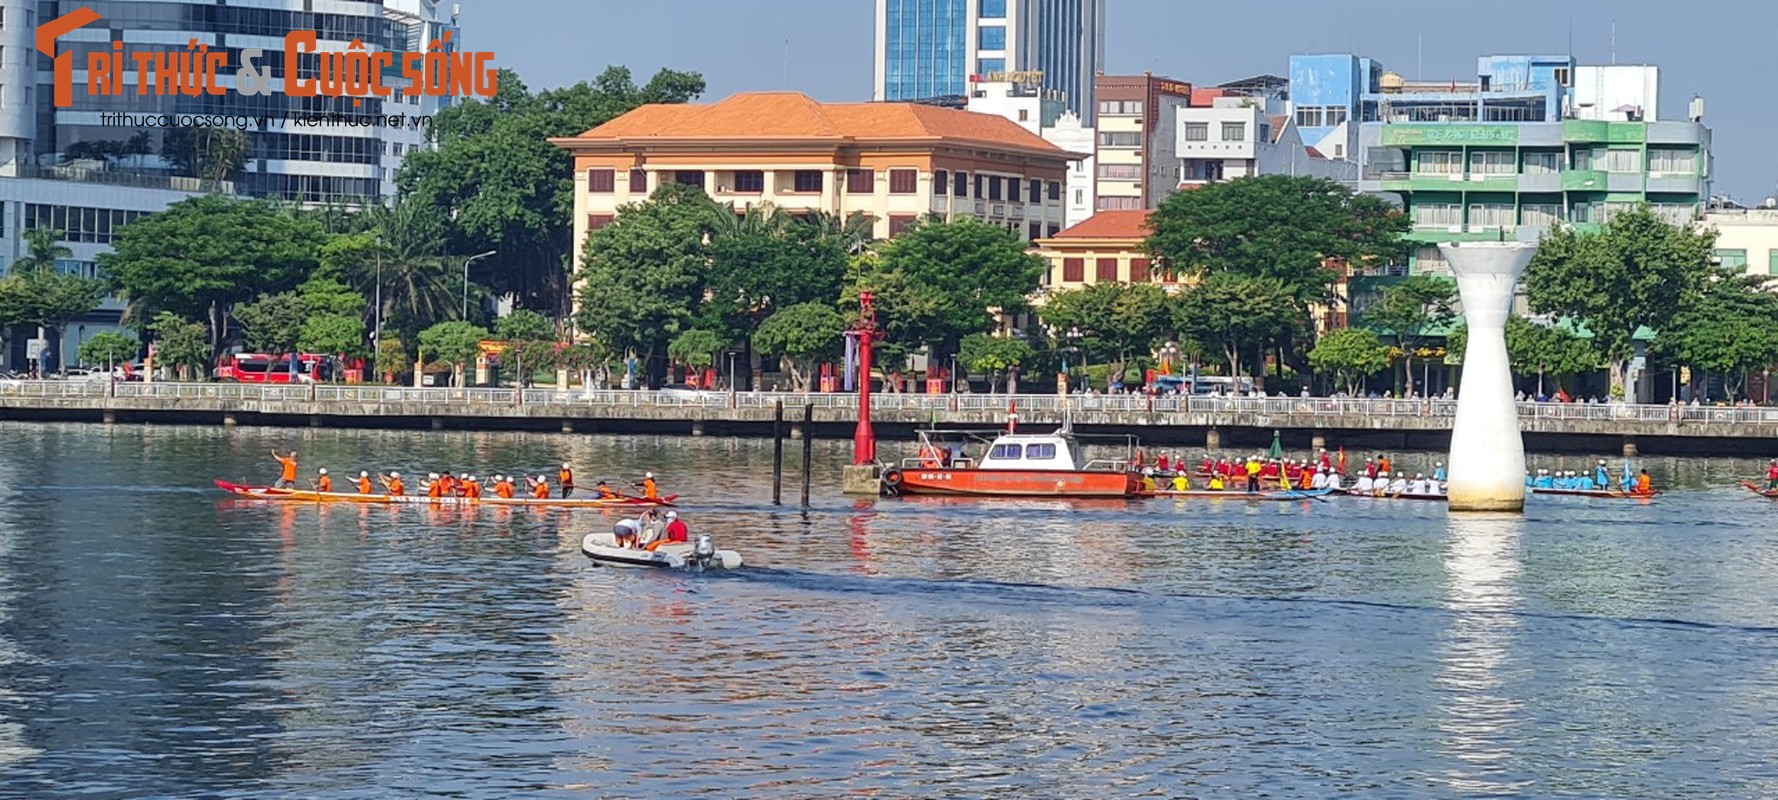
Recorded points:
(929, 49)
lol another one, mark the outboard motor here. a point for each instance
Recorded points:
(703, 552)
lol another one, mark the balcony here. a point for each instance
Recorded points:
(1623, 182)
(1540, 182)
(1583, 180)
(1675, 182)
(1676, 133)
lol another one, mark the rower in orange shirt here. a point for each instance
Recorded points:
(1644, 484)
(502, 487)
(472, 489)
(287, 476)
(435, 486)
(606, 492)
(323, 483)
(393, 484)
(649, 490)
(566, 478)
(363, 482)
(539, 488)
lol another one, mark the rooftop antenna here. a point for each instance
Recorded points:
(786, 63)
(1420, 56)
(1614, 42)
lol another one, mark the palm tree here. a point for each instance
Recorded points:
(407, 258)
(854, 231)
(43, 248)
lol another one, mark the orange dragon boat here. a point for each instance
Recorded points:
(1013, 465)
(310, 496)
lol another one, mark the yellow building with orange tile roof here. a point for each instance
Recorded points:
(1105, 248)
(895, 162)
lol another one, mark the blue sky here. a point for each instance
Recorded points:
(1720, 49)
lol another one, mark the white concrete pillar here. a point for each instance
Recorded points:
(1487, 449)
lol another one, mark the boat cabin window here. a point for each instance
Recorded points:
(1040, 451)
(1007, 451)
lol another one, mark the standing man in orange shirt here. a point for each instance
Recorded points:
(287, 476)
(566, 478)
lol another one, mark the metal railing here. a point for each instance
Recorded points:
(990, 403)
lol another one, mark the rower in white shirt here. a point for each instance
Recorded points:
(1418, 486)
(1399, 485)
(1320, 479)
(1364, 484)
(1333, 481)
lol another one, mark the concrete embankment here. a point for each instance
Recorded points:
(1219, 423)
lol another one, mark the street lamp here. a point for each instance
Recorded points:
(466, 263)
(1169, 355)
(731, 377)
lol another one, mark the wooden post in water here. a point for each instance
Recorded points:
(808, 450)
(778, 453)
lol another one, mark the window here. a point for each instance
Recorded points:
(1334, 115)
(1583, 159)
(1564, 77)
(899, 223)
(1124, 107)
(1055, 191)
(1308, 117)
(941, 182)
(750, 181)
(1613, 209)
(1138, 270)
(989, 66)
(597, 221)
(1491, 162)
(1120, 139)
(1105, 270)
(1040, 451)
(1024, 115)
(1438, 215)
(992, 9)
(1012, 189)
(1490, 215)
(1540, 215)
(1772, 262)
(1735, 259)
(638, 181)
(1539, 163)
(1668, 159)
(960, 184)
(1036, 190)
(1682, 214)
(78, 223)
(1007, 451)
(806, 180)
(861, 181)
(1438, 162)
(1620, 161)
(980, 192)
(993, 187)
(1074, 270)
(1054, 229)
(991, 37)
(1108, 203)
(1197, 131)
(1080, 196)
(904, 181)
(689, 177)
(1128, 172)
(1234, 131)
(1033, 230)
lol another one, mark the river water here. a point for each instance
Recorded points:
(159, 640)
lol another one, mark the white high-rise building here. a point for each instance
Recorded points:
(931, 48)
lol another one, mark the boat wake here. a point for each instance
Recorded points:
(1108, 597)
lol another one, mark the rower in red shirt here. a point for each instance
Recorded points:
(674, 533)
(1161, 464)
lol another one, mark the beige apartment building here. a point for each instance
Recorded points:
(895, 162)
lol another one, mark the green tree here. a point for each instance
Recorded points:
(696, 348)
(524, 325)
(332, 333)
(36, 293)
(802, 335)
(209, 153)
(456, 342)
(1537, 349)
(1636, 271)
(1350, 355)
(643, 276)
(402, 251)
(1123, 318)
(1728, 329)
(201, 256)
(762, 260)
(994, 356)
(393, 358)
(1236, 314)
(1408, 310)
(273, 323)
(108, 348)
(504, 187)
(941, 281)
(181, 345)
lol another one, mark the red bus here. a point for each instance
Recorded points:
(261, 368)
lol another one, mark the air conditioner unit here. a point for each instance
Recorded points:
(1477, 178)
(1457, 176)
(1454, 229)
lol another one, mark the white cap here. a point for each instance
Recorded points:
(470, 478)
(647, 474)
(1438, 463)
(498, 478)
(433, 476)
(363, 474)
(1601, 462)
(463, 476)
(564, 466)
(394, 474)
(1399, 475)
(323, 470)
(1419, 475)
(672, 515)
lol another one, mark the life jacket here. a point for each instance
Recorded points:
(435, 488)
(566, 477)
(472, 490)
(396, 487)
(649, 490)
(605, 493)
(930, 457)
(289, 472)
(325, 484)
(540, 491)
(364, 486)
(503, 488)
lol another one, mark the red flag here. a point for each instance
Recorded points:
(1012, 416)
(1342, 459)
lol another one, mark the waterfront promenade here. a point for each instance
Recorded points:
(1175, 420)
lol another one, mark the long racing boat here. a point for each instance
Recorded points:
(1240, 494)
(1755, 488)
(1611, 494)
(310, 496)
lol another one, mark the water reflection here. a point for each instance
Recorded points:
(1481, 715)
(13, 745)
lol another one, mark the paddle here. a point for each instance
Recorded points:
(1299, 493)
